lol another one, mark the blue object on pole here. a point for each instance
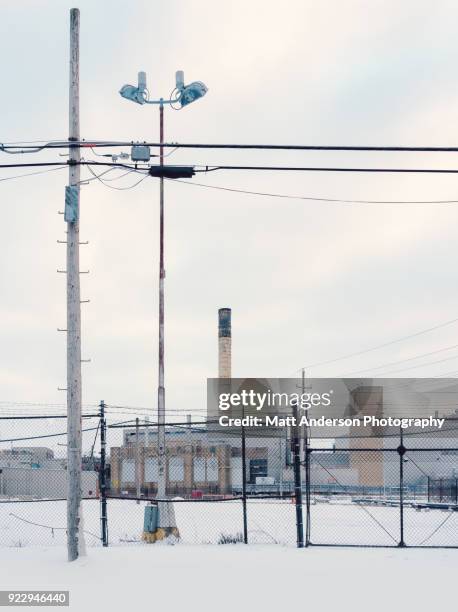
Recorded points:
(71, 203)
(150, 519)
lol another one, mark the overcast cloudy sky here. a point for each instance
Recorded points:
(307, 281)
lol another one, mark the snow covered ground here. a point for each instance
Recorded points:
(265, 578)
(269, 574)
(269, 522)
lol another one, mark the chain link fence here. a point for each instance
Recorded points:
(282, 487)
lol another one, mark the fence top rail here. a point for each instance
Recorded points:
(198, 499)
(44, 500)
(28, 417)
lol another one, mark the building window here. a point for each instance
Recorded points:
(199, 469)
(127, 470)
(176, 469)
(212, 469)
(151, 469)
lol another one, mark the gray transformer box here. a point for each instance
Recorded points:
(140, 153)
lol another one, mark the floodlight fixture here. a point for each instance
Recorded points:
(182, 94)
(192, 92)
(136, 94)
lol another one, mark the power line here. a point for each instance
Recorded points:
(63, 433)
(22, 417)
(66, 144)
(214, 168)
(379, 346)
(17, 176)
(313, 199)
(230, 189)
(421, 365)
(98, 177)
(70, 163)
(28, 142)
(39, 404)
(392, 363)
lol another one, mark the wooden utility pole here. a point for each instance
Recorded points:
(75, 542)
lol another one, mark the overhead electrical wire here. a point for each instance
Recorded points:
(421, 365)
(216, 187)
(98, 177)
(115, 178)
(29, 142)
(65, 144)
(17, 176)
(72, 163)
(312, 198)
(393, 363)
(216, 167)
(18, 148)
(62, 433)
(377, 170)
(379, 346)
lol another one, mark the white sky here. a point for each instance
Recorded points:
(306, 281)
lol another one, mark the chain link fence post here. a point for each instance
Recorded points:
(103, 476)
(401, 451)
(297, 480)
(244, 504)
(307, 451)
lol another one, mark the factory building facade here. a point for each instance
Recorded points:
(196, 463)
(34, 472)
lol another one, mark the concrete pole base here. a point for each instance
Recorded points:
(166, 528)
(161, 534)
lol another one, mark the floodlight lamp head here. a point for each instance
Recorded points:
(135, 94)
(132, 93)
(192, 92)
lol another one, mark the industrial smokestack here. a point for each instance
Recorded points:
(224, 343)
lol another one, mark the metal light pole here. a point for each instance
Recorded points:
(182, 96)
(161, 478)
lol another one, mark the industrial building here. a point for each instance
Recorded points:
(196, 463)
(205, 461)
(35, 473)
